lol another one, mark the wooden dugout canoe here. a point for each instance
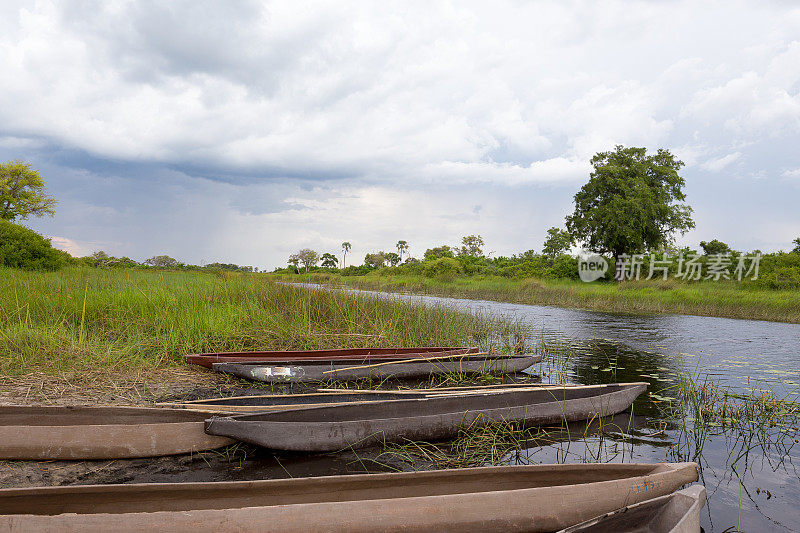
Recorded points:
(305, 372)
(673, 513)
(283, 402)
(325, 429)
(77, 433)
(342, 354)
(507, 498)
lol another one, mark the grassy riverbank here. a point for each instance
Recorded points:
(123, 322)
(722, 299)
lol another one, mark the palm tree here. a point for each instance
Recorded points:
(345, 248)
(402, 247)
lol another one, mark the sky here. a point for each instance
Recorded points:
(244, 131)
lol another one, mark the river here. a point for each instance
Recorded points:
(750, 476)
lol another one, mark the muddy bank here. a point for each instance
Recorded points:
(235, 463)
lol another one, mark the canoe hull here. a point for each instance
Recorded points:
(673, 513)
(342, 354)
(324, 429)
(350, 372)
(471, 500)
(81, 433)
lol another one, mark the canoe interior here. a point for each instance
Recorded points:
(355, 352)
(442, 404)
(659, 515)
(115, 499)
(475, 388)
(340, 396)
(441, 360)
(303, 399)
(74, 416)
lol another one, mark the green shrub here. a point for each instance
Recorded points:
(21, 247)
(353, 270)
(564, 266)
(471, 265)
(782, 278)
(444, 268)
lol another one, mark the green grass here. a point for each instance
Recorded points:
(132, 320)
(708, 298)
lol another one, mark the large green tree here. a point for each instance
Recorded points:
(471, 245)
(633, 202)
(438, 251)
(714, 247)
(162, 261)
(329, 260)
(392, 258)
(558, 241)
(308, 257)
(375, 260)
(22, 192)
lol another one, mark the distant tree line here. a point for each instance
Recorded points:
(102, 259)
(633, 203)
(556, 260)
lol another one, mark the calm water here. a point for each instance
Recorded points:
(751, 482)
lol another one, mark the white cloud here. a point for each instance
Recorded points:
(19, 143)
(763, 101)
(558, 169)
(791, 173)
(328, 121)
(75, 248)
(395, 90)
(719, 163)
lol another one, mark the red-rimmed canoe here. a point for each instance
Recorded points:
(311, 371)
(341, 354)
(490, 499)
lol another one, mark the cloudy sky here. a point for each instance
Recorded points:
(243, 131)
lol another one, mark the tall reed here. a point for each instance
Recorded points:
(134, 319)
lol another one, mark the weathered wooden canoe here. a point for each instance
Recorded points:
(262, 403)
(674, 513)
(323, 429)
(342, 354)
(72, 433)
(323, 371)
(506, 498)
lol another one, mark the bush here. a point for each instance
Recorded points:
(444, 268)
(471, 265)
(21, 247)
(564, 266)
(782, 278)
(356, 270)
